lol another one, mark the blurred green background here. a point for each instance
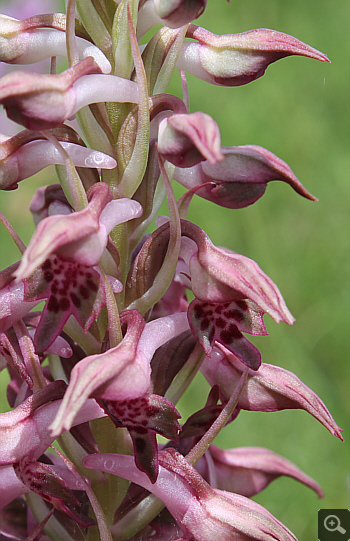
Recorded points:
(300, 111)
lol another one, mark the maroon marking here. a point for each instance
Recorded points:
(220, 323)
(53, 304)
(205, 324)
(226, 337)
(64, 304)
(48, 276)
(75, 299)
(211, 335)
(84, 292)
(234, 331)
(91, 285)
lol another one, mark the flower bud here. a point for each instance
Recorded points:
(238, 59)
(187, 139)
(175, 13)
(40, 102)
(26, 42)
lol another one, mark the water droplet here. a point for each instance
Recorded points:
(108, 464)
(95, 159)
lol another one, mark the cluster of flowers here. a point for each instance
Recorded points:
(122, 339)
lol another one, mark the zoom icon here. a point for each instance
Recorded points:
(334, 525)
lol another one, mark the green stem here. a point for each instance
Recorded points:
(53, 528)
(202, 446)
(15, 237)
(137, 518)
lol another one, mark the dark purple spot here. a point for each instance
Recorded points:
(75, 300)
(140, 430)
(48, 276)
(234, 314)
(64, 304)
(226, 337)
(46, 265)
(84, 292)
(91, 285)
(221, 323)
(205, 324)
(211, 335)
(234, 331)
(152, 410)
(218, 309)
(53, 304)
(198, 312)
(140, 445)
(242, 305)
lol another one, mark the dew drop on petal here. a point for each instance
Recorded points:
(108, 464)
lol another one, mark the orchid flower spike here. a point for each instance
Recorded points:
(40, 102)
(27, 153)
(241, 178)
(238, 59)
(203, 513)
(21, 43)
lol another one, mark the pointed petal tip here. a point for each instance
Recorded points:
(337, 431)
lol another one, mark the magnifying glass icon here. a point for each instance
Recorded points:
(332, 524)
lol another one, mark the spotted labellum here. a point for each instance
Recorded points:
(111, 309)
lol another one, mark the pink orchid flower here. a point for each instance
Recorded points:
(203, 513)
(238, 59)
(240, 179)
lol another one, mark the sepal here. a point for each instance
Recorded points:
(248, 470)
(271, 388)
